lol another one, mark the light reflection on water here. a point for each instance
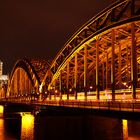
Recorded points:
(125, 129)
(1, 129)
(1, 110)
(1, 123)
(27, 127)
(87, 127)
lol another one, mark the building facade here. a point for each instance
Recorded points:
(3, 81)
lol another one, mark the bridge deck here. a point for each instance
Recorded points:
(129, 106)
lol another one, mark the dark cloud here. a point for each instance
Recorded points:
(39, 29)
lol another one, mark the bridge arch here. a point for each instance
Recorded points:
(102, 58)
(26, 78)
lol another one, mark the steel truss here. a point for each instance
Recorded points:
(100, 61)
(102, 57)
(26, 78)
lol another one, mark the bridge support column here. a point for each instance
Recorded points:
(67, 80)
(55, 91)
(107, 71)
(16, 83)
(113, 65)
(20, 83)
(50, 92)
(85, 71)
(103, 75)
(97, 70)
(75, 77)
(119, 59)
(133, 61)
(26, 86)
(60, 85)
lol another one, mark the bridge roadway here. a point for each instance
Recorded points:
(119, 105)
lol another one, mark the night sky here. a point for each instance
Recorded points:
(40, 28)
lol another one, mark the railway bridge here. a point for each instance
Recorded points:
(99, 63)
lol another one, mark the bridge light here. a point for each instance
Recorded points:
(109, 96)
(124, 96)
(91, 87)
(124, 83)
(21, 113)
(40, 88)
(70, 89)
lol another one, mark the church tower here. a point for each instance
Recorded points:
(1, 68)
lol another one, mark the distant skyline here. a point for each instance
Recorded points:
(39, 29)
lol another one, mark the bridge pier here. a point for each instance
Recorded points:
(16, 108)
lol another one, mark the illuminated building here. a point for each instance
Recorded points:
(1, 67)
(3, 81)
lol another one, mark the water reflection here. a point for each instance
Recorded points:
(80, 127)
(27, 127)
(9, 130)
(1, 129)
(1, 110)
(85, 127)
(125, 129)
(1, 123)
(133, 130)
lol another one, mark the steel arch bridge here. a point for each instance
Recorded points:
(26, 77)
(100, 61)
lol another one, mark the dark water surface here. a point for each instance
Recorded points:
(80, 127)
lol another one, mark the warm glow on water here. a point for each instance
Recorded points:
(1, 129)
(125, 129)
(1, 110)
(27, 127)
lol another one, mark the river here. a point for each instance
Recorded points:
(25, 126)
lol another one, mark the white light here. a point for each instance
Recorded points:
(70, 89)
(91, 87)
(4, 77)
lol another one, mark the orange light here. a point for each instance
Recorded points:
(1, 110)
(27, 126)
(125, 129)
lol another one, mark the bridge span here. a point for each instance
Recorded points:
(99, 67)
(132, 107)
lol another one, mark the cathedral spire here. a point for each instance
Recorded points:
(1, 67)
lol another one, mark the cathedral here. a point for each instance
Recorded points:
(3, 79)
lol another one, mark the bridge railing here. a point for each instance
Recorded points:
(120, 105)
(133, 106)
